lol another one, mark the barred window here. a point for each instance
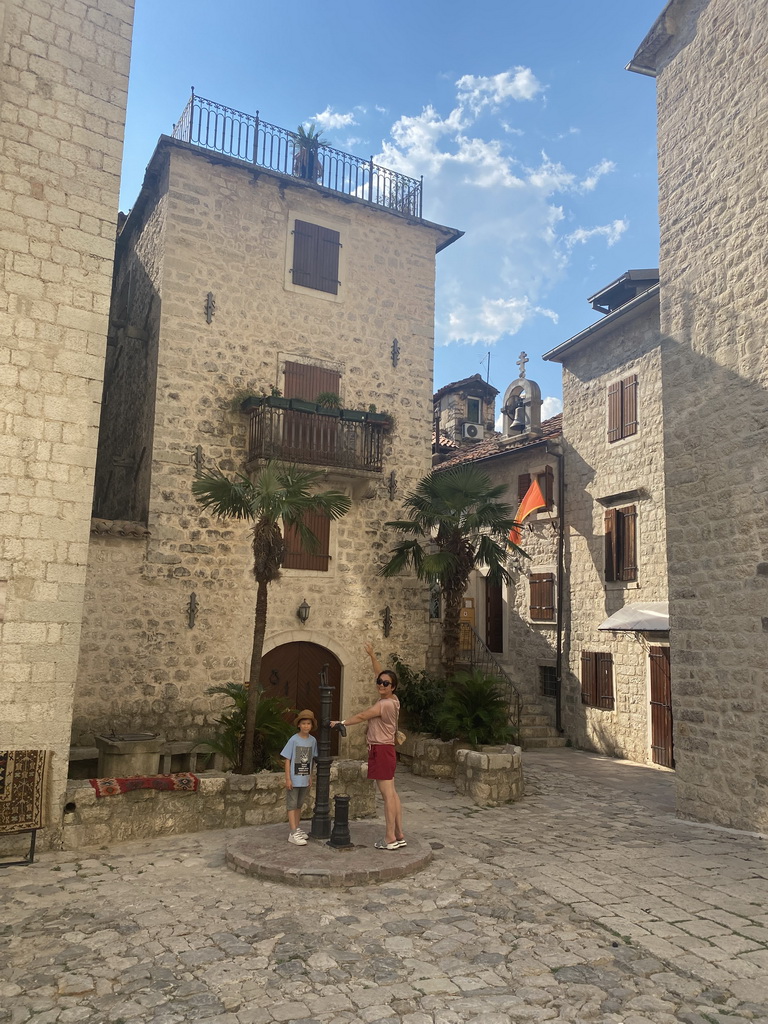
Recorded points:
(547, 681)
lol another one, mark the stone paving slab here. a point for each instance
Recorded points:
(264, 853)
(586, 902)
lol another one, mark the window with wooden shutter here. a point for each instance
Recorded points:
(542, 596)
(305, 381)
(296, 556)
(622, 408)
(523, 483)
(546, 481)
(316, 257)
(597, 679)
(621, 544)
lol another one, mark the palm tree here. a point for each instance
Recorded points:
(278, 492)
(457, 524)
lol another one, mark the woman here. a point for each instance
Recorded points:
(382, 727)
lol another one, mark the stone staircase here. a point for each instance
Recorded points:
(536, 728)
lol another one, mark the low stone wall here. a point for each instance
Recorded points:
(491, 776)
(222, 801)
(429, 757)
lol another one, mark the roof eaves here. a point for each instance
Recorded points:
(555, 355)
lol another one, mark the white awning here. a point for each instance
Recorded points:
(644, 616)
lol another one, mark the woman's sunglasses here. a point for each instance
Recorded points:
(383, 682)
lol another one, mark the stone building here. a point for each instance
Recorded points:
(233, 276)
(615, 680)
(63, 86)
(519, 623)
(708, 58)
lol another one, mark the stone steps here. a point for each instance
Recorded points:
(537, 730)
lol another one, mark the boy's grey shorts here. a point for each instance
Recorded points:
(294, 798)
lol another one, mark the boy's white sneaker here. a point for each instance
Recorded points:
(297, 839)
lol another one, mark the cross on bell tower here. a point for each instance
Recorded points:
(521, 363)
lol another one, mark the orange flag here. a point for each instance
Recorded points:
(533, 500)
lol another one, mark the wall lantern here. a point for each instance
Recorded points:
(303, 611)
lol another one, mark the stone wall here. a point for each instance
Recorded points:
(222, 801)
(63, 83)
(713, 202)
(226, 228)
(598, 469)
(491, 776)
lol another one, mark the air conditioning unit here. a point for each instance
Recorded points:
(473, 431)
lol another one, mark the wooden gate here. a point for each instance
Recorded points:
(494, 617)
(661, 708)
(292, 672)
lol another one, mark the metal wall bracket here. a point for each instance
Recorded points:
(210, 307)
(199, 460)
(192, 609)
(395, 351)
(386, 617)
(392, 485)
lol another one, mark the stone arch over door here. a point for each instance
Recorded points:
(292, 671)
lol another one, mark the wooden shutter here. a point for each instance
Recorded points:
(542, 605)
(305, 381)
(296, 557)
(614, 411)
(626, 528)
(611, 546)
(523, 483)
(629, 406)
(604, 679)
(546, 481)
(588, 679)
(316, 257)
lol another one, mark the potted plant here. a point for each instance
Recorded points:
(355, 415)
(302, 405)
(378, 417)
(306, 161)
(475, 710)
(246, 400)
(328, 403)
(276, 399)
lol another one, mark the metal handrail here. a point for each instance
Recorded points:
(213, 126)
(480, 657)
(293, 435)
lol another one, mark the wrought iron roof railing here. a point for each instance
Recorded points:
(210, 125)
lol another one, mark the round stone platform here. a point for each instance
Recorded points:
(266, 853)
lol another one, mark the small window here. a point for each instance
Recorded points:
(523, 483)
(542, 599)
(473, 410)
(546, 481)
(316, 257)
(295, 556)
(547, 681)
(622, 408)
(597, 679)
(621, 544)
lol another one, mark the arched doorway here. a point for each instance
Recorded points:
(292, 671)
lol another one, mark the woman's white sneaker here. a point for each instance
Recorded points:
(297, 839)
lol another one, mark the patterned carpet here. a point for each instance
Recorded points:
(181, 782)
(22, 790)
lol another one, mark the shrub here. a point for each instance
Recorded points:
(272, 729)
(420, 695)
(475, 710)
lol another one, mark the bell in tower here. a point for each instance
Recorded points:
(521, 411)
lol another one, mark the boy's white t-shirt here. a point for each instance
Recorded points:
(301, 751)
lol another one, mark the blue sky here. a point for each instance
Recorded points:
(531, 136)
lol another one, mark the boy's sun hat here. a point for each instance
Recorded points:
(306, 713)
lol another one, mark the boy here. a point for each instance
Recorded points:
(300, 752)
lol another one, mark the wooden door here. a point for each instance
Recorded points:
(494, 616)
(661, 708)
(292, 672)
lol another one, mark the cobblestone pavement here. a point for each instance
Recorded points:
(586, 902)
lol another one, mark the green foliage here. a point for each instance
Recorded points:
(475, 710)
(309, 136)
(271, 734)
(328, 400)
(420, 696)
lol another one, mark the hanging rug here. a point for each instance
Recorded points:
(180, 782)
(22, 790)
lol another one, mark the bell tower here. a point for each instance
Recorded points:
(521, 411)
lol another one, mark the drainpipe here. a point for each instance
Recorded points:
(560, 585)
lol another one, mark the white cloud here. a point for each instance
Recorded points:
(611, 232)
(331, 120)
(551, 407)
(493, 318)
(477, 92)
(595, 174)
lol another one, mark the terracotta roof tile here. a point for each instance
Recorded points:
(492, 446)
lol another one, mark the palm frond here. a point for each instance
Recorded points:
(230, 499)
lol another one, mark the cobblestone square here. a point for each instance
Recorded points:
(587, 901)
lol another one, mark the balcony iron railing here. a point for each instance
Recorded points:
(473, 652)
(210, 125)
(291, 435)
